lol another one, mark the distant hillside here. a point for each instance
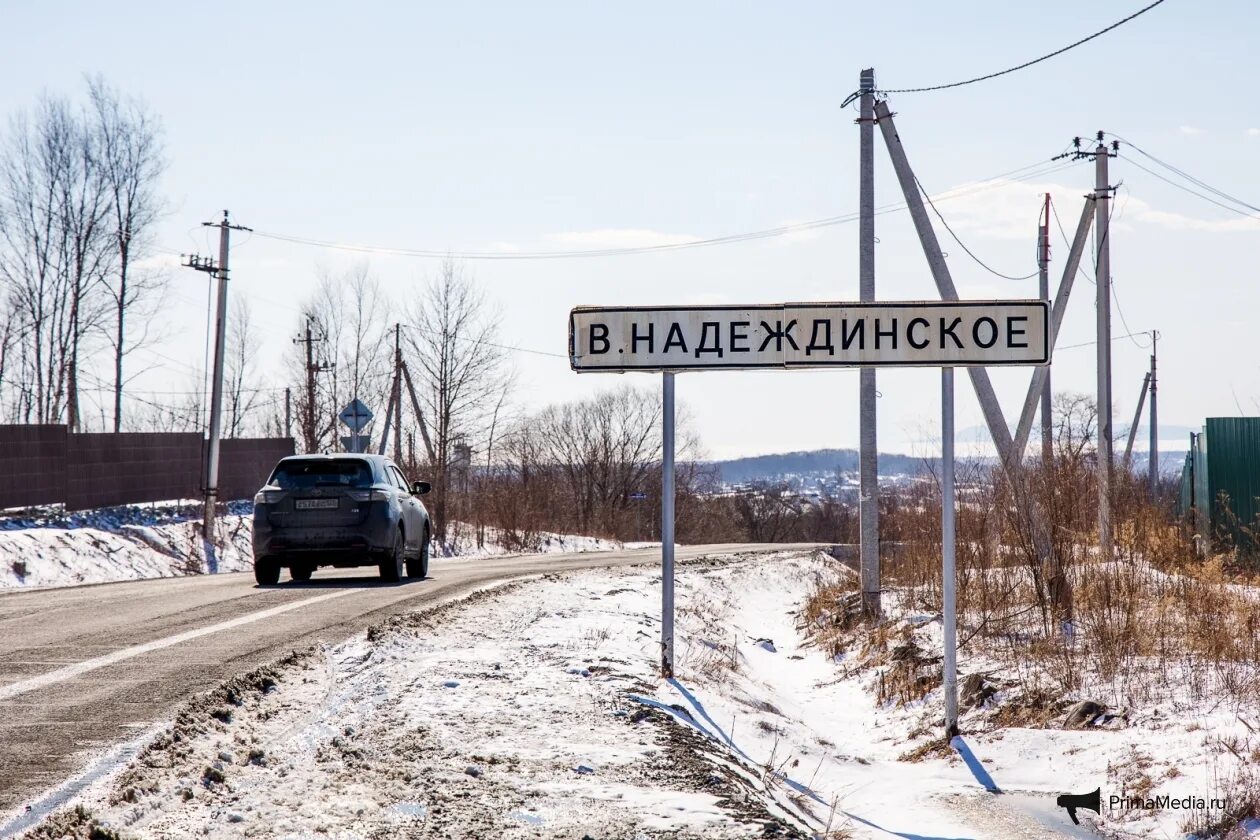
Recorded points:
(826, 463)
(817, 462)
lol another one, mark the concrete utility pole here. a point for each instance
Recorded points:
(220, 352)
(868, 456)
(1153, 469)
(1043, 278)
(1137, 418)
(1102, 210)
(1031, 400)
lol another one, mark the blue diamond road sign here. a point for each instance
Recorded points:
(356, 415)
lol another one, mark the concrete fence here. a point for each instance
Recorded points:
(46, 465)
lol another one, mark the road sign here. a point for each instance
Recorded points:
(638, 497)
(789, 336)
(356, 443)
(805, 335)
(356, 415)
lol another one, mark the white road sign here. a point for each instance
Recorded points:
(977, 333)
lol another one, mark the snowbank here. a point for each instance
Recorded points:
(129, 543)
(140, 542)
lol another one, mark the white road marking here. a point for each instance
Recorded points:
(8, 692)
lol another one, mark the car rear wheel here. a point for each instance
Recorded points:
(266, 572)
(419, 567)
(301, 573)
(392, 568)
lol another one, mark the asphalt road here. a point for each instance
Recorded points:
(83, 668)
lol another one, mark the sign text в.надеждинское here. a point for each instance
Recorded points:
(803, 335)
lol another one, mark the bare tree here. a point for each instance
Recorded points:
(461, 373)
(346, 315)
(8, 339)
(240, 374)
(51, 254)
(130, 159)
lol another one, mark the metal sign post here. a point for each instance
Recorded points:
(356, 416)
(667, 524)
(948, 577)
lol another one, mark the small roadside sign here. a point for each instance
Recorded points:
(638, 497)
(356, 415)
(356, 443)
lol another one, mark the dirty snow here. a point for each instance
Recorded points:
(535, 710)
(154, 541)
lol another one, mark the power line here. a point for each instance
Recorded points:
(1039, 169)
(1068, 242)
(962, 245)
(1026, 64)
(1092, 343)
(1195, 193)
(511, 347)
(1187, 176)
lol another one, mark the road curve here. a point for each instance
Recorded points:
(82, 668)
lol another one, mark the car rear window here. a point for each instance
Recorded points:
(295, 475)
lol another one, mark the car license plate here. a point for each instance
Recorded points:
(317, 504)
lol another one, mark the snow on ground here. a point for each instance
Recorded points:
(126, 543)
(536, 710)
(152, 541)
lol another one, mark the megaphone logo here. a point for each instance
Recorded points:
(1072, 801)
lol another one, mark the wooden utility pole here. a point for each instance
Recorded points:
(309, 432)
(398, 393)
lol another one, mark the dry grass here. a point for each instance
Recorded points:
(1155, 620)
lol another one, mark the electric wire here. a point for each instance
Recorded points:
(963, 245)
(1026, 64)
(1023, 173)
(1092, 343)
(1184, 188)
(1196, 181)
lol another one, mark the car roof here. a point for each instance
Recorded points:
(338, 456)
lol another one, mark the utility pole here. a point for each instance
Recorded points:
(1153, 469)
(312, 368)
(1043, 275)
(1102, 218)
(288, 413)
(397, 394)
(1137, 418)
(220, 339)
(868, 456)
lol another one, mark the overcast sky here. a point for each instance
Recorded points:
(537, 126)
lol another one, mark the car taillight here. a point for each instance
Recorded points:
(369, 495)
(268, 497)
